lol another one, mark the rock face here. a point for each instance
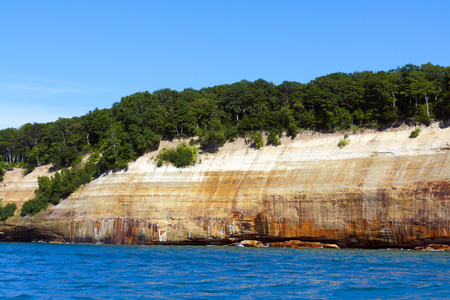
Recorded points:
(382, 190)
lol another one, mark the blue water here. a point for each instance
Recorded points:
(51, 271)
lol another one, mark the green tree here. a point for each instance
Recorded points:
(2, 168)
(233, 99)
(212, 136)
(7, 211)
(308, 120)
(9, 145)
(274, 138)
(420, 87)
(116, 150)
(257, 139)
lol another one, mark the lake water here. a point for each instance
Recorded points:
(52, 271)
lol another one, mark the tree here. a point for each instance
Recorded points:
(117, 151)
(213, 136)
(233, 99)
(202, 109)
(257, 139)
(2, 168)
(407, 91)
(421, 87)
(379, 97)
(7, 211)
(435, 75)
(273, 138)
(308, 120)
(9, 145)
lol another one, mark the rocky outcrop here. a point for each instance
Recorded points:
(381, 190)
(434, 247)
(301, 244)
(250, 243)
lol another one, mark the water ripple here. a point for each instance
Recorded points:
(49, 271)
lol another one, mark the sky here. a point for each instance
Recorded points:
(65, 58)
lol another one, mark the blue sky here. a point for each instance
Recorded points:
(64, 58)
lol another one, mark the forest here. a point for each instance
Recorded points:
(213, 115)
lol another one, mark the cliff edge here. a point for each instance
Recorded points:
(383, 189)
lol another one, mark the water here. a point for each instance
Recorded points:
(50, 271)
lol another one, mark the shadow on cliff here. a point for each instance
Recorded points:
(444, 124)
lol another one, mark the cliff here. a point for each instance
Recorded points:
(382, 190)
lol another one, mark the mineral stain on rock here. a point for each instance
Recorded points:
(381, 190)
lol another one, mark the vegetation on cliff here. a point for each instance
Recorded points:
(257, 139)
(182, 156)
(274, 138)
(136, 124)
(59, 186)
(7, 211)
(344, 142)
(415, 133)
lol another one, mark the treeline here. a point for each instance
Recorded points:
(137, 123)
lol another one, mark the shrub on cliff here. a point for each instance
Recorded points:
(415, 133)
(7, 211)
(273, 138)
(344, 142)
(180, 157)
(257, 139)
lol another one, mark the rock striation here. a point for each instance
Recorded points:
(383, 189)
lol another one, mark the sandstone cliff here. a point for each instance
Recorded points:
(382, 190)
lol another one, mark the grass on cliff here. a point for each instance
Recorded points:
(181, 157)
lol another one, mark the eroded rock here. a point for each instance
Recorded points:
(434, 247)
(302, 244)
(251, 243)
